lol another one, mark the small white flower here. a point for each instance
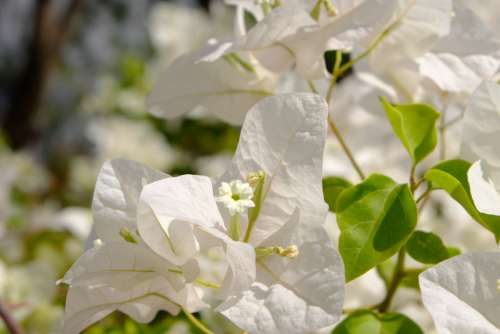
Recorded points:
(236, 196)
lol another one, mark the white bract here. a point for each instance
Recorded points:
(154, 229)
(125, 270)
(226, 86)
(120, 272)
(480, 138)
(284, 138)
(470, 53)
(462, 294)
(228, 78)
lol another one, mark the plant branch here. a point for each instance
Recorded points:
(28, 90)
(335, 75)
(346, 148)
(397, 276)
(197, 323)
(331, 123)
(423, 196)
(413, 179)
(8, 320)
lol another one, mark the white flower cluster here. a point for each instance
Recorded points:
(154, 231)
(282, 273)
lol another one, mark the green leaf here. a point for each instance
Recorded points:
(376, 218)
(426, 247)
(451, 176)
(415, 126)
(332, 187)
(454, 251)
(368, 322)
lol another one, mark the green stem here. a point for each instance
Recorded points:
(197, 323)
(442, 135)
(346, 148)
(413, 178)
(316, 11)
(312, 86)
(234, 230)
(266, 7)
(375, 43)
(423, 196)
(335, 75)
(331, 123)
(397, 276)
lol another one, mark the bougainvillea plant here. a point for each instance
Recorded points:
(252, 244)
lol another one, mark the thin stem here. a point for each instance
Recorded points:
(346, 148)
(312, 86)
(424, 201)
(442, 128)
(375, 43)
(397, 276)
(331, 123)
(234, 230)
(453, 121)
(335, 75)
(8, 320)
(413, 178)
(197, 323)
(418, 184)
(442, 135)
(423, 196)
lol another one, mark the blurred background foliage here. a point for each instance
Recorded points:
(74, 77)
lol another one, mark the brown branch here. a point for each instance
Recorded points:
(8, 320)
(28, 91)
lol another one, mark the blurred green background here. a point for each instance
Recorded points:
(74, 80)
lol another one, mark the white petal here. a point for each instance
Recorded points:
(284, 136)
(484, 192)
(126, 277)
(241, 269)
(269, 39)
(480, 138)
(461, 294)
(116, 195)
(116, 262)
(481, 127)
(141, 302)
(249, 5)
(454, 74)
(205, 79)
(172, 205)
(296, 295)
(415, 27)
(470, 33)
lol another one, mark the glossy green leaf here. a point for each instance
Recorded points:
(415, 126)
(426, 247)
(454, 251)
(451, 176)
(376, 218)
(368, 322)
(332, 187)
